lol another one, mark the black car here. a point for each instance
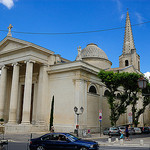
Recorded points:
(61, 141)
(145, 129)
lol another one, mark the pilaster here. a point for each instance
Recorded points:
(41, 98)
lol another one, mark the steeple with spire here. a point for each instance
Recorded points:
(128, 37)
(129, 55)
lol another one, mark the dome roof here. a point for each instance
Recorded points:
(92, 50)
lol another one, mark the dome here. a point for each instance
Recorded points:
(92, 50)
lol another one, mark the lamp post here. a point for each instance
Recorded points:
(78, 113)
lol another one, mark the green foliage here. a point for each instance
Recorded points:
(118, 103)
(146, 102)
(52, 113)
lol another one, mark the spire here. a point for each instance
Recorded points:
(128, 37)
(9, 32)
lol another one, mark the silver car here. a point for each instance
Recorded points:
(137, 130)
(111, 131)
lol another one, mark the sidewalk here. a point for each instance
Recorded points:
(115, 141)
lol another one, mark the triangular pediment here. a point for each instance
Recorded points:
(11, 45)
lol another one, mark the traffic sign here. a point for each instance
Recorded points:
(100, 115)
(130, 114)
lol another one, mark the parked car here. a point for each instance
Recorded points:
(63, 141)
(111, 131)
(137, 130)
(131, 131)
(145, 130)
(122, 129)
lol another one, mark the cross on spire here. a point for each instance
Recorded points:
(9, 31)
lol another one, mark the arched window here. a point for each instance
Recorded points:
(106, 93)
(92, 89)
(126, 63)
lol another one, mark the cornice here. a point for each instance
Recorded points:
(77, 65)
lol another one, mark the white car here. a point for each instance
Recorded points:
(137, 130)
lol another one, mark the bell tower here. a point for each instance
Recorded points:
(129, 55)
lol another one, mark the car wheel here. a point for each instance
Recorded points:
(40, 148)
(83, 148)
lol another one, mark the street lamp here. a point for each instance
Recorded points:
(142, 83)
(78, 113)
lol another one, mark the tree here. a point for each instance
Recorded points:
(129, 81)
(146, 102)
(52, 113)
(116, 103)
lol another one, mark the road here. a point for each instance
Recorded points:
(23, 145)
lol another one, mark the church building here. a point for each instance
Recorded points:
(31, 75)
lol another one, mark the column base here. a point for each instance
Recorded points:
(12, 122)
(25, 123)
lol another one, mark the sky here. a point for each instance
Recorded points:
(68, 16)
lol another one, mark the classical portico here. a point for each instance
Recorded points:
(23, 82)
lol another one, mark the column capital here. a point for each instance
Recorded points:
(16, 64)
(30, 61)
(4, 67)
(44, 65)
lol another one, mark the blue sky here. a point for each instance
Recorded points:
(54, 16)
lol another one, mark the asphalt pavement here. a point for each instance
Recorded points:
(137, 142)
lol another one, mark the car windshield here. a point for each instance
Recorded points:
(72, 138)
(137, 128)
(113, 128)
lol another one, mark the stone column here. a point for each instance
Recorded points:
(14, 94)
(3, 90)
(27, 93)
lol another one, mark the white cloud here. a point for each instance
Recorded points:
(139, 17)
(8, 3)
(147, 75)
(119, 5)
(122, 16)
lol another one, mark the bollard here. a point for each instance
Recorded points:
(141, 142)
(116, 139)
(121, 141)
(109, 140)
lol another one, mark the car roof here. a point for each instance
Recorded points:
(55, 133)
